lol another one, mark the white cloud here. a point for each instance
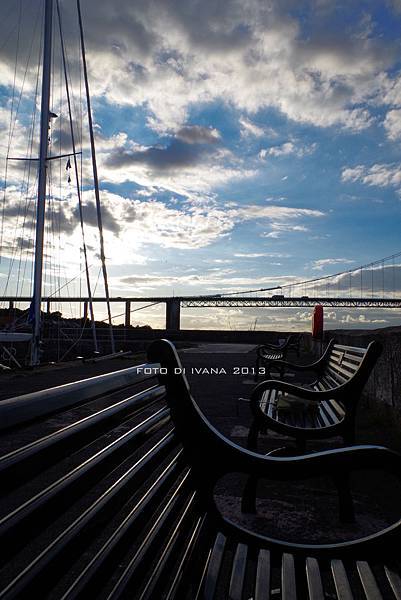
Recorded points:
(248, 128)
(392, 124)
(319, 265)
(277, 229)
(380, 175)
(286, 149)
(250, 55)
(250, 254)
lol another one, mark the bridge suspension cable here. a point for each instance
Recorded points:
(335, 277)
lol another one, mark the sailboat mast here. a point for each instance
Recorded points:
(41, 205)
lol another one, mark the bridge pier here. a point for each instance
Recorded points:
(127, 313)
(85, 311)
(173, 311)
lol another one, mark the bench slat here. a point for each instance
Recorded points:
(341, 582)
(336, 376)
(339, 369)
(262, 583)
(394, 580)
(20, 409)
(238, 572)
(288, 580)
(11, 459)
(315, 586)
(62, 484)
(96, 563)
(323, 418)
(368, 580)
(187, 557)
(214, 566)
(168, 514)
(328, 408)
(350, 348)
(169, 549)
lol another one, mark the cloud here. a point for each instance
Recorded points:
(176, 155)
(277, 229)
(286, 149)
(250, 55)
(189, 168)
(89, 212)
(319, 265)
(248, 128)
(195, 134)
(250, 254)
(392, 124)
(380, 175)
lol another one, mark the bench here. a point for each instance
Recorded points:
(110, 495)
(331, 399)
(271, 353)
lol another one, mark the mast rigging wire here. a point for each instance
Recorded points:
(95, 177)
(88, 284)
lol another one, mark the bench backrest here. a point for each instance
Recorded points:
(347, 366)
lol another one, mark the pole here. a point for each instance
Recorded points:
(81, 217)
(95, 179)
(40, 211)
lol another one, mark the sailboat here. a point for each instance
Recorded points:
(53, 22)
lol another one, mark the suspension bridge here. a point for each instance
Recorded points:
(374, 285)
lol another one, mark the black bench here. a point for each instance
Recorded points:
(331, 399)
(268, 354)
(110, 495)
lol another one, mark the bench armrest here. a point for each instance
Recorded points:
(290, 388)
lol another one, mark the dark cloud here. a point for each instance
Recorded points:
(176, 155)
(195, 134)
(90, 217)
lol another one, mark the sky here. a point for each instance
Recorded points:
(240, 145)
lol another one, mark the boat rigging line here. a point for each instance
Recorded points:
(95, 178)
(81, 218)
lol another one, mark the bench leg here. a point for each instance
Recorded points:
(345, 502)
(248, 503)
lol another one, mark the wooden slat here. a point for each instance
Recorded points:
(340, 371)
(368, 580)
(354, 366)
(323, 416)
(330, 379)
(351, 348)
(341, 582)
(315, 586)
(330, 412)
(288, 580)
(394, 580)
(262, 583)
(20, 409)
(238, 572)
(336, 408)
(337, 376)
(328, 385)
(213, 569)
